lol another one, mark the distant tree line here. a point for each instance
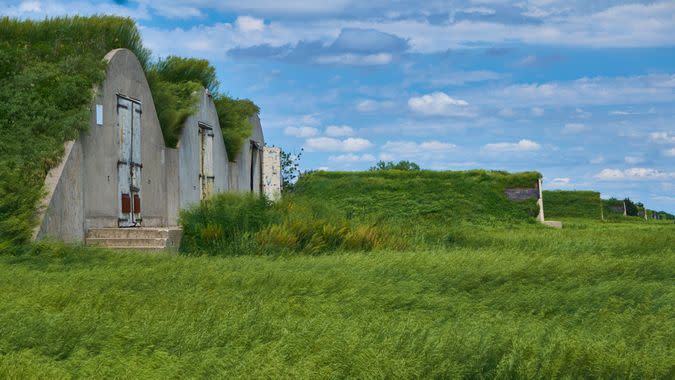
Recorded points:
(390, 165)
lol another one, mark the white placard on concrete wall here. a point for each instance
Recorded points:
(99, 115)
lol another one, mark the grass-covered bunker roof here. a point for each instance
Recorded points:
(448, 196)
(572, 204)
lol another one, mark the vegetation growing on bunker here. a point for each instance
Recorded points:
(572, 204)
(175, 80)
(234, 115)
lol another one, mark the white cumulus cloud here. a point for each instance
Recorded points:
(351, 158)
(662, 137)
(411, 148)
(521, 146)
(370, 105)
(633, 174)
(329, 144)
(339, 131)
(355, 59)
(301, 131)
(597, 160)
(572, 128)
(30, 6)
(560, 182)
(440, 104)
(250, 24)
(537, 111)
(633, 160)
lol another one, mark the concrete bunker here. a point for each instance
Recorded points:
(202, 156)
(115, 173)
(518, 194)
(246, 170)
(119, 173)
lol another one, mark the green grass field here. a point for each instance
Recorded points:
(592, 300)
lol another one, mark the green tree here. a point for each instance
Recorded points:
(631, 208)
(290, 167)
(390, 165)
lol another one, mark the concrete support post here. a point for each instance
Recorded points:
(540, 202)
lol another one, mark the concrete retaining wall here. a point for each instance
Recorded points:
(62, 210)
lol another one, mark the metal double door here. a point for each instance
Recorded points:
(206, 173)
(129, 164)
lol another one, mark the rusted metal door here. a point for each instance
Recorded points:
(129, 163)
(206, 175)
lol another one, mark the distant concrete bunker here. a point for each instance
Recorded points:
(119, 173)
(203, 165)
(519, 194)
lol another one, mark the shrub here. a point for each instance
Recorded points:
(233, 116)
(239, 224)
(401, 165)
(362, 238)
(277, 236)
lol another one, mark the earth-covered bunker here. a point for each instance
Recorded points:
(202, 156)
(115, 174)
(246, 170)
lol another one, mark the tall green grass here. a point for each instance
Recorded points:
(357, 211)
(591, 301)
(233, 116)
(245, 224)
(174, 82)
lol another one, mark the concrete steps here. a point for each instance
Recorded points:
(552, 223)
(144, 238)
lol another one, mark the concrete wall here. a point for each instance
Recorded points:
(62, 210)
(240, 171)
(172, 186)
(271, 173)
(518, 194)
(189, 155)
(124, 76)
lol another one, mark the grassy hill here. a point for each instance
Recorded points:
(332, 211)
(443, 197)
(572, 204)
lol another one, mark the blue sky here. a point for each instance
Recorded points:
(582, 91)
